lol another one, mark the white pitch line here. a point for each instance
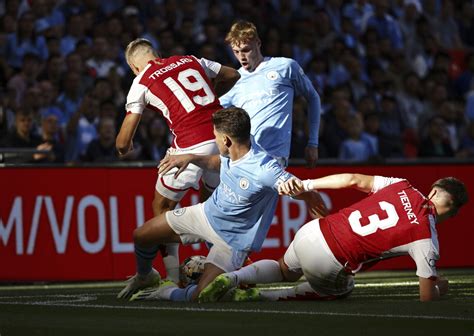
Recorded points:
(111, 285)
(251, 311)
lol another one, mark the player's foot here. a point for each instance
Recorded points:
(248, 295)
(158, 293)
(217, 288)
(138, 282)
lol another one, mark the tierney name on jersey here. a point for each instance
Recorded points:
(407, 207)
(169, 67)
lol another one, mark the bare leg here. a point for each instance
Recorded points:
(169, 252)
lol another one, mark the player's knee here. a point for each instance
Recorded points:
(288, 276)
(142, 237)
(138, 236)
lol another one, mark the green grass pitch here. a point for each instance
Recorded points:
(383, 303)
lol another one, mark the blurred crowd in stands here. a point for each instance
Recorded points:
(396, 77)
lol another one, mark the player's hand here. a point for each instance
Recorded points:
(292, 187)
(311, 154)
(174, 161)
(124, 153)
(45, 147)
(443, 285)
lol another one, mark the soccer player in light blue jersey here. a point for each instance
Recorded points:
(266, 89)
(235, 219)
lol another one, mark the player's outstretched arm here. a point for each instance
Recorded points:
(432, 289)
(339, 181)
(209, 162)
(123, 142)
(225, 80)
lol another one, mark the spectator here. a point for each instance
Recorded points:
(466, 148)
(299, 135)
(408, 22)
(103, 149)
(385, 24)
(75, 63)
(54, 70)
(75, 33)
(82, 128)
(27, 77)
(324, 35)
(99, 62)
(22, 134)
(48, 106)
(335, 130)
(465, 82)
(408, 98)
(50, 137)
(70, 99)
(318, 73)
(466, 24)
(445, 27)
(154, 149)
(455, 123)
(25, 41)
(436, 142)
(359, 145)
(358, 11)
(391, 126)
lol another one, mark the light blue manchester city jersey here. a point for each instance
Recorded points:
(267, 95)
(241, 209)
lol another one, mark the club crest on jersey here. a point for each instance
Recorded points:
(179, 212)
(431, 261)
(244, 183)
(272, 75)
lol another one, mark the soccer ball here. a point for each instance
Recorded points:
(191, 270)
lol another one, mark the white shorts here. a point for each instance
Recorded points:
(192, 226)
(175, 188)
(310, 254)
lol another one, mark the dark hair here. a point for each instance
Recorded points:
(455, 188)
(234, 122)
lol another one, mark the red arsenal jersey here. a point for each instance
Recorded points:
(180, 89)
(395, 220)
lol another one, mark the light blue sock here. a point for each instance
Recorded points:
(144, 258)
(183, 294)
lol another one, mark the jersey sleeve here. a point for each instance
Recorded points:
(136, 101)
(381, 182)
(304, 87)
(425, 255)
(210, 67)
(226, 100)
(274, 175)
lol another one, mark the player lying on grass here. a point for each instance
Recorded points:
(235, 219)
(394, 220)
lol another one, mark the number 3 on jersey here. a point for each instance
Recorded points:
(375, 222)
(198, 84)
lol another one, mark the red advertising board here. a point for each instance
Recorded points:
(77, 223)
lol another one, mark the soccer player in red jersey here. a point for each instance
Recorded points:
(181, 89)
(394, 220)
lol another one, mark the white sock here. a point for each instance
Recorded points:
(262, 271)
(301, 290)
(171, 262)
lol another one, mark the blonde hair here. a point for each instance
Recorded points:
(242, 32)
(139, 47)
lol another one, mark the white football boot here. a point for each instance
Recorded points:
(138, 282)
